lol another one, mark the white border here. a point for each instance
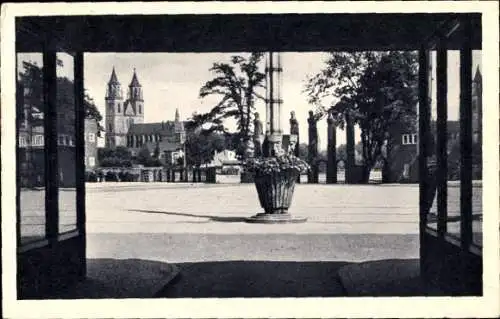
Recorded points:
(487, 306)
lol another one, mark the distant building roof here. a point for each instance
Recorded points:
(162, 146)
(161, 128)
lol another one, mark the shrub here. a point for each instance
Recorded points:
(90, 176)
(111, 177)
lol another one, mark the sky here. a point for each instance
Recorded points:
(173, 80)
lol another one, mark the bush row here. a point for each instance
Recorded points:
(121, 176)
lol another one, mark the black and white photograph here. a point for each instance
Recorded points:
(250, 159)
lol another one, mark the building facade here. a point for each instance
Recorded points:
(402, 152)
(91, 135)
(122, 111)
(165, 140)
(125, 124)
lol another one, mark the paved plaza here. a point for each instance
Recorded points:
(199, 222)
(221, 209)
(201, 229)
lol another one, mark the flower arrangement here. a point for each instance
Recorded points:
(259, 166)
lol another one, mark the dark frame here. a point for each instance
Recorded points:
(59, 259)
(66, 251)
(451, 263)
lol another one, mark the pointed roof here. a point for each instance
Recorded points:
(177, 115)
(113, 79)
(478, 77)
(135, 81)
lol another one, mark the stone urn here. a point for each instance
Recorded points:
(275, 190)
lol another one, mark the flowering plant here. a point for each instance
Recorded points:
(269, 165)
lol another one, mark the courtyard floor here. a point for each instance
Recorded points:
(201, 229)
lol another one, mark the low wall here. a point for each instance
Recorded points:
(152, 174)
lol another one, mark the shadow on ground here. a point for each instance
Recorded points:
(221, 219)
(137, 278)
(227, 279)
(119, 278)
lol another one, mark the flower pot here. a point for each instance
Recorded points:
(275, 190)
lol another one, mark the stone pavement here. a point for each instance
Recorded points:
(220, 209)
(201, 230)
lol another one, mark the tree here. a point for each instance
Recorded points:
(237, 84)
(31, 78)
(144, 157)
(114, 157)
(377, 90)
(201, 145)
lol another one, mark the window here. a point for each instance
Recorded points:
(22, 141)
(91, 161)
(118, 107)
(110, 127)
(140, 109)
(60, 140)
(37, 140)
(409, 139)
(91, 137)
(405, 139)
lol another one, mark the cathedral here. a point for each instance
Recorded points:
(125, 124)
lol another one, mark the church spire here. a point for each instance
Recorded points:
(135, 81)
(113, 79)
(478, 77)
(177, 115)
(114, 89)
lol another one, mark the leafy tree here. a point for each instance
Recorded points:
(377, 90)
(144, 157)
(31, 80)
(201, 145)
(114, 157)
(237, 84)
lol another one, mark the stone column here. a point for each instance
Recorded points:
(331, 168)
(294, 131)
(313, 148)
(274, 132)
(350, 161)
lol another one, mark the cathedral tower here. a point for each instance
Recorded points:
(120, 115)
(134, 106)
(114, 111)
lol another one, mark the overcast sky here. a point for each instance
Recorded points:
(173, 80)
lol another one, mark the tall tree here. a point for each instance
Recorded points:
(31, 80)
(201, 145)
(377, 90)
(237, 84)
